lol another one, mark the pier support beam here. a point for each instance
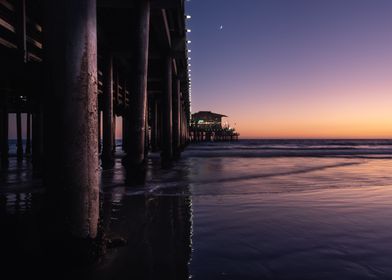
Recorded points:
(71, 125)
(4, 131)
(37, 134)
(19, 144)
(115, 94)
(182, 140)
(176, 117)
(107, 152)
(99, 131)
(125, 134)
(135, 159)
(186, 128)
(154, 124)
(167, 115)
(147, 132)
(114, 136)
(28, 135)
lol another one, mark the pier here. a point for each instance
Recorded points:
(69, 69)
(206, 126)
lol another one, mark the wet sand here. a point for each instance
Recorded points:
(222, 218)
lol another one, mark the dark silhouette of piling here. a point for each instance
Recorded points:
(154, 124)
(4, 132)
(71, 125)
(28, 135)
(19, 144)
(107, 151)
(135, 159)
(176, 117)
(167, 115)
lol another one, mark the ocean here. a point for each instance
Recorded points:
(252, 209)
(291, 209)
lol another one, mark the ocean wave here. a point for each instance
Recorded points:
(385, 153)
(275, 174)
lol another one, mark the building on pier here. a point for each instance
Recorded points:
(68, 65)
(208, 119)
(207, 126)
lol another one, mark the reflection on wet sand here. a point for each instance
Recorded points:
(216, 218)
(147, 236)
(157, 234)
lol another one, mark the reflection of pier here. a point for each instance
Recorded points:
(69, 68)
(149, 234)
(207, 126)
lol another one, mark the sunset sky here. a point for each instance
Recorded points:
(294, 68)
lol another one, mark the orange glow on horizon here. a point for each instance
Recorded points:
(349, 113)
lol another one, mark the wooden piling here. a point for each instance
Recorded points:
(125, 134)
(135, 159)
(176, 117)
(71, 124)
(107, 151)
(154, 125)
(147, 132)
(4, 131)
(19, 144)
(115, 96)
(167, 116)
(28, 135)
(99, 131)
(181, 126)
(114, 136)
(159, 123)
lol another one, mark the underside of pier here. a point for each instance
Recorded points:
(69, 69)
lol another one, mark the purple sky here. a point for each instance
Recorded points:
(294, 68)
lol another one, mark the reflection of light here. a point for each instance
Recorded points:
(117, 196)
(188, 16)
(188, 30)
(191, 230)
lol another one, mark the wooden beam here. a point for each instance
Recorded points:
(166, 27)
(127, 4)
